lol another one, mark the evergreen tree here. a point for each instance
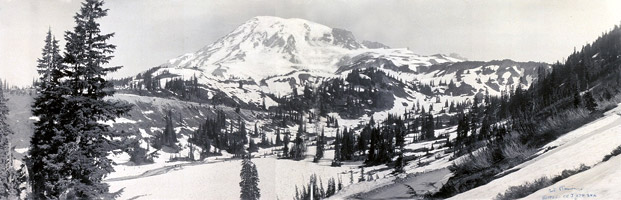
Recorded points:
(264, 141)
(347, 145)
(170, 137)
(339, 186)
(399, 137)
(298, 149)
(46, 176)
(400, 143)
(297, 193)
(322, 191)
(81, 142)
(256, 129)
(285, 148)
(361, 179)
(278, 140)
(138, 155)
(428, 130)
(362, 140)
(252, 147)
(589, 101)
(577, 100)
(374, 146)
(263, 104)
(9, 182)
(242, 129)
(462, 133)
(316, 190)
(249, 180)
(331, 188)
(337, 151)
(320, 147)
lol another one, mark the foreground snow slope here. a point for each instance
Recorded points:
(220, 180)
(586, 145)
(599, 182)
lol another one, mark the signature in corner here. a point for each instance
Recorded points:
(564, 188)
(572, 195)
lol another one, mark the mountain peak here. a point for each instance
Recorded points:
(276, 20)
(267, 41)
(301, 30)
(267, 46)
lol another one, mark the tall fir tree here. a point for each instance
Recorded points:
(46, 158)
(81, 142)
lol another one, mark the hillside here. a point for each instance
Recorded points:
(586, 145)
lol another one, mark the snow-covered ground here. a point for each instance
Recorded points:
(218, 177)
(599, 182)
(586, 145)
(220, 180)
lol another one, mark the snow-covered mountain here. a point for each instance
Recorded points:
(271, 46)
(267, 46)
(274, 56)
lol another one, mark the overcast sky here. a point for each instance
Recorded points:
(149, 32)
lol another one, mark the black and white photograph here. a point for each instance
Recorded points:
(310, 99)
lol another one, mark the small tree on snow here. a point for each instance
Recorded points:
(339, 186)
(320, 147)
(351, 177)
(361, 179)
(331, 187)
(249, 180)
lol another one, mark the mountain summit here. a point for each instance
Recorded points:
(265, 46)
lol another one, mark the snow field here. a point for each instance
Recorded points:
(599, 182)
(220, 180)
(586, 145)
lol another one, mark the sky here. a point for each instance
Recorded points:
(150, 32)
